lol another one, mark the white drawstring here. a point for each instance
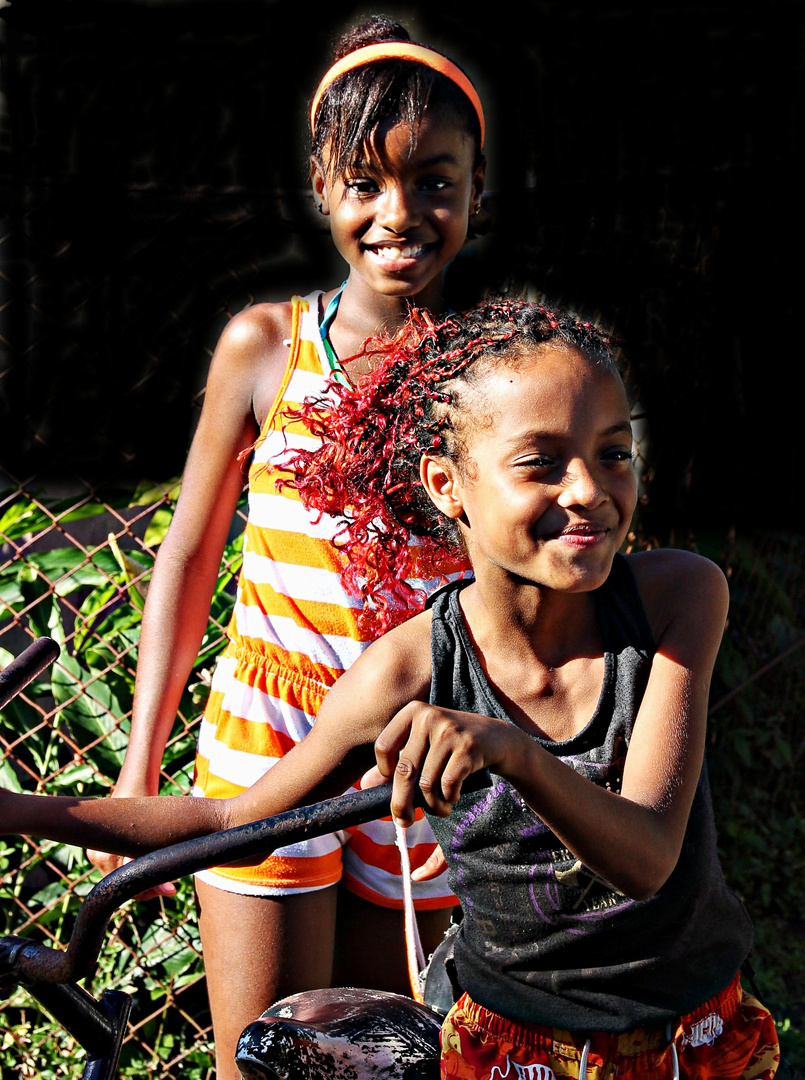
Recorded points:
(583, 1062)
(674, 1054)
(413, 944)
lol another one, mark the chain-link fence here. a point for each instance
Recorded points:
(144, 203)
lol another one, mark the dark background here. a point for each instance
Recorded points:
(644, 166)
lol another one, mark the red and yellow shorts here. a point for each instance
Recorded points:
(731, 1037)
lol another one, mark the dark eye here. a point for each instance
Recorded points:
(360, 185)
(537, 461)
(618, 453)
(435, 183)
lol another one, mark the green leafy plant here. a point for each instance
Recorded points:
(756, 753)
(67, 734)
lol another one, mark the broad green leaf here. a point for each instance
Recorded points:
(88, 706)
(75, 776)
(148, 492)
(21, 518)
(158, 528)
(8, 777)
(68, 569)
(11, 596)
(133, 572)
(28, 517)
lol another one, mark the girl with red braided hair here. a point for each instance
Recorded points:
(397, 168)
(598, 936)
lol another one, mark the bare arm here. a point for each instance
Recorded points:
(247, 367)
(333, 756)
(632, 839)
(249, 356)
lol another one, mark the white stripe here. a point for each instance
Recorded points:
(234, 766)
(248, 703)
(309, 326)
(298, 582)
(223, 673)
(287, 515)
(277, 445)
(304, 384)
(390, 885)
(332, 650)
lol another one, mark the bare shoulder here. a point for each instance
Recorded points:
(252, 353)
(393, 671)
(246, 370)
(679, 585)
(257, 328)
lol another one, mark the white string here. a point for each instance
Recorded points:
(413, 945)
(583, 1062)
(669, 1034)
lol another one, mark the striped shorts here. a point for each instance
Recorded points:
(730, 1037)
(255, 714)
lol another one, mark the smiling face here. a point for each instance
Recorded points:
(400, 215)
(544, 490)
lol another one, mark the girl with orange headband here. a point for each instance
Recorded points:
(397, 167)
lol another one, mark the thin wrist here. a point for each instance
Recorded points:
(516, 762)
(134, 782)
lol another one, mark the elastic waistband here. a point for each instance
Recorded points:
(294, 668)
(607, 1044)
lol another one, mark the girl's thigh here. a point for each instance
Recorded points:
(259, 949)
(370, 943)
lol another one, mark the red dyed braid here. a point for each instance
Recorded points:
(373, 435)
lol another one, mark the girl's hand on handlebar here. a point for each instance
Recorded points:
(436, 749)
(435, 864)
(106, 863)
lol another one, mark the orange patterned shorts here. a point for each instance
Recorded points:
(731, 1037)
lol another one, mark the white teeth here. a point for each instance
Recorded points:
(408, 252)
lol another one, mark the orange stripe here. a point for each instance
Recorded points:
(298, 305)
(287, 422)
(386, 856)
(286, 873)
(213, 786)
(308, 359)
(285, 547)
(253, 738)
(264, 477)
(294, 665)
(321, 618)
(201, 772)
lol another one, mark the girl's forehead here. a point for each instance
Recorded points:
(435, 137)
(553, 378)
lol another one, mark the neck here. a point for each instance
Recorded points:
(523, 618)
(363, 313)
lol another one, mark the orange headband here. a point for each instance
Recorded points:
(400, 50)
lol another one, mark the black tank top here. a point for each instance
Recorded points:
(543, 940)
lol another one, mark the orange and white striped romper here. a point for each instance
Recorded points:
(293, 631)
